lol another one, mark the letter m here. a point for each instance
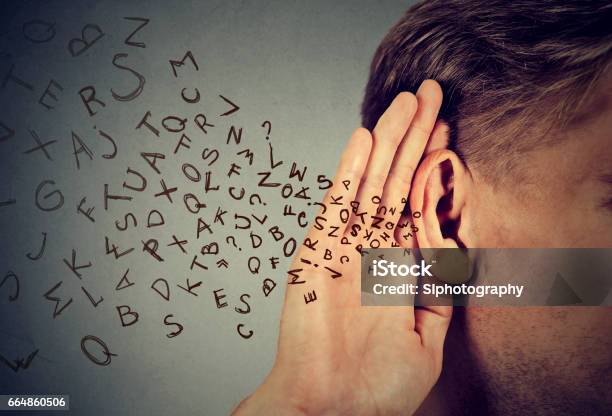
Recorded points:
(175, 64)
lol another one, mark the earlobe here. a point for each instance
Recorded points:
(439, 192)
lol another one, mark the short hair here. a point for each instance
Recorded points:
(505, 67)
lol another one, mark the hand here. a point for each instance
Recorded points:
(335, 356)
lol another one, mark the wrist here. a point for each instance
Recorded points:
(267, 400)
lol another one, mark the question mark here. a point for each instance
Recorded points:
(233, 241)
(258, 198)
(269, 126)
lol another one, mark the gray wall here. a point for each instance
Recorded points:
(300, 65)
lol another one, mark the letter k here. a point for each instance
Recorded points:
(425, 269)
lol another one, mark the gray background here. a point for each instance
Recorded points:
(300, 65)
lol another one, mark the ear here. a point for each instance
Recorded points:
(440, 192)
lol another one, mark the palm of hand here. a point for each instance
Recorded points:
(334, 355)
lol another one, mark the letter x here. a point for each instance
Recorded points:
(41, 146)
(166, 191)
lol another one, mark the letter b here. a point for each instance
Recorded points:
(133, 316)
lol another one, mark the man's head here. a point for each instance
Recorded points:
(525, 161)
(505, 67)
(518, 77)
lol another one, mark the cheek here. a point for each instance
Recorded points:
(590, 224)
(589, 234)
(503, 225)
(555, 221)
(577, 221)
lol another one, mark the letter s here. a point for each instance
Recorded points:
(141, 80)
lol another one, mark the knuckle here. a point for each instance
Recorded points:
(348, 174)
(374, 182)
(390, 133)
(420, 128)
(402, 175)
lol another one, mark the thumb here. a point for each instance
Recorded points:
(431, 323)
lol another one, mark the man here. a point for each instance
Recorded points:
(515, 153)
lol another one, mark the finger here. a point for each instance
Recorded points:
(388, 133)
(345, 184)
(405, 231)
(439, 137)
(410, 150)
